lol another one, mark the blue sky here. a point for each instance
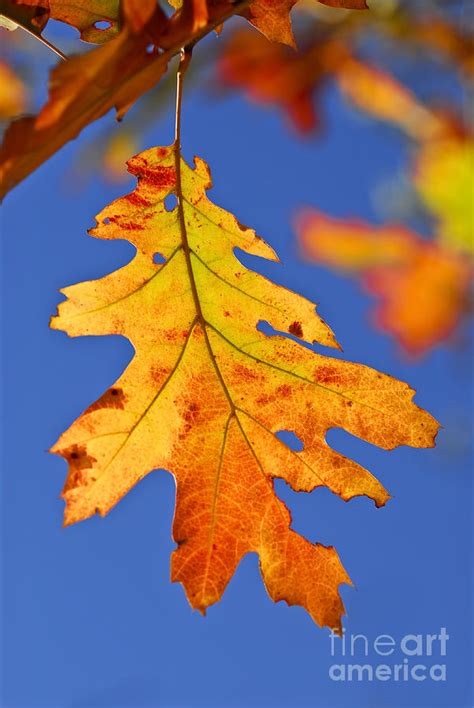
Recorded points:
(90, 618)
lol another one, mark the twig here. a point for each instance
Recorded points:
(39, 37)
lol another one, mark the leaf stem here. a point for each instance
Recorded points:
(184, 61)
(185, 58)
(200, 319)
(39, 37)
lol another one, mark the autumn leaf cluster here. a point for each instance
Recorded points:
(208, 391)
(134, 55)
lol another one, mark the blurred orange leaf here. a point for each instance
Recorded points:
(380, 95)
(273, 74)
(423, 287)
(446, 39)
(207, 391)
(13, 93)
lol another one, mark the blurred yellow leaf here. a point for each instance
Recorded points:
(444, 178)
(13, 93)
(117, 152)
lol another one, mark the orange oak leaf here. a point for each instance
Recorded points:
(423, 286)
(207, 391)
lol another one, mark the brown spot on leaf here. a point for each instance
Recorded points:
(264, 399)
(136, 200)
(242, 372)
(243, 228)
(190, 415)
(191, 412)
(126, 225)
(327, 374)
(159, 177)
(284, 391)
(175, 335)
(113, 398)
(118, 324)
(159, 373)
(79, 462)
(296, 329)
